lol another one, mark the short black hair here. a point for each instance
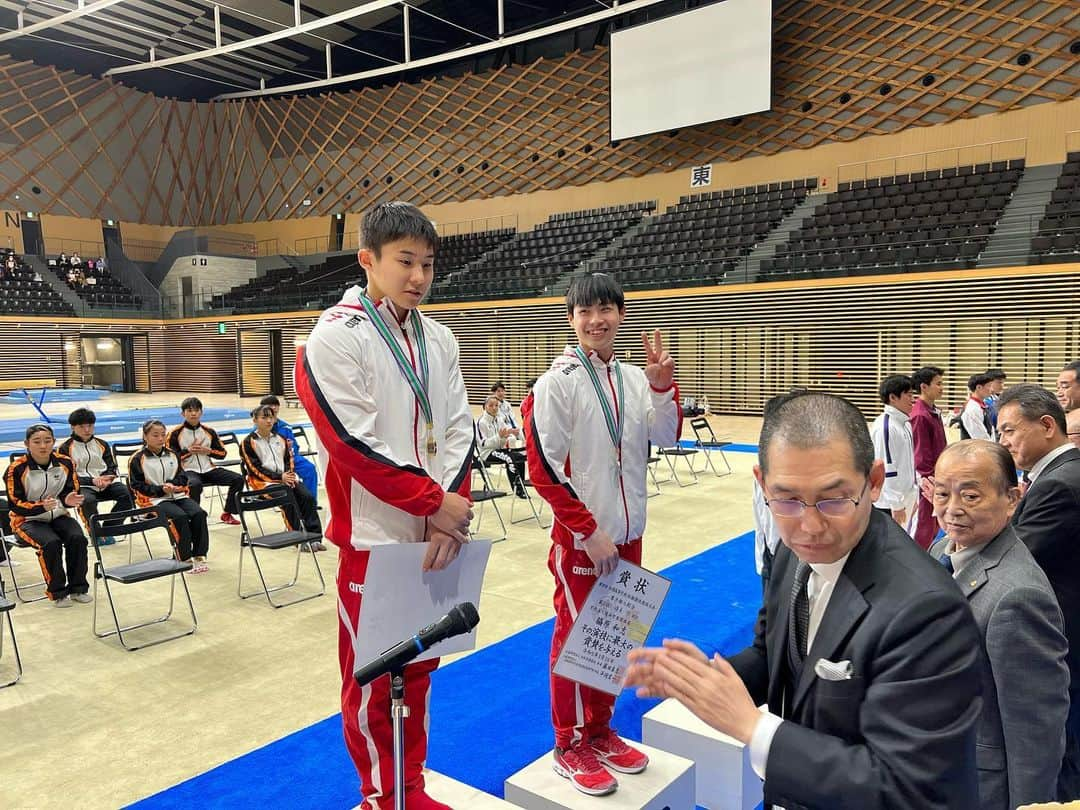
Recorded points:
(150, 423)
(38, 427)
(592, 289)
(529, 383)
(975, 380)
(1002, 458)
(261, 410)
(270, 400)
(895, 386)
(925, 376)
(1034, 403)
(82, 416)
(191, 402)
(996, 374)
(1074, 367)
(812, 420)
(390, 221)
(495, 386)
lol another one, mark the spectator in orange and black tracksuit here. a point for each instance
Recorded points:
(39, 487)
(269, 460)
(95, 465)
(157, 478)
(199, 447)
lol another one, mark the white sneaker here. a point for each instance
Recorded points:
(62, 602)
(82, 598)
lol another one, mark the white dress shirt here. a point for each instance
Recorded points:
(765, 531)
(819, 589)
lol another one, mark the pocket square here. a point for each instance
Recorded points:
(833, 670)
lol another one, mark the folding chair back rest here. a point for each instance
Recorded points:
(699, 424)
(275, 496)
(300, 433)
(140, 520)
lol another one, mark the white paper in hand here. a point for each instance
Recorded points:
(400, 597)
(616, 618)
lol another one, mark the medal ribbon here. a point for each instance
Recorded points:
(614, 424)
(418, 385)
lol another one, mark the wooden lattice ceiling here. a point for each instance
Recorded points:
(95, 148)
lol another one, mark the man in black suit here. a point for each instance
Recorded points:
(1031, 424)
(865, 650)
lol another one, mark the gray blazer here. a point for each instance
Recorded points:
(1025, 679)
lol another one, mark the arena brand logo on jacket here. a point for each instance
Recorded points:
(356, 587)
(581, 570)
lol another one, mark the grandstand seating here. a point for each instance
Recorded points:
(929, 220)
(1058, 238)
(22, 292)
(703, 238)
(321, 285)
(533, 260)
(94, 284)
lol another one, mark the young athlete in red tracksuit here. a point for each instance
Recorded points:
(588, 424)
(382, 386)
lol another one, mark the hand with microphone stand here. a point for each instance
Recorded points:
(461, 619)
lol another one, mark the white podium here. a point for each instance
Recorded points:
(459, 795)
(724, 778)
(667, 784)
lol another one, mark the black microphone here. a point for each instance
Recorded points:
(461, 619)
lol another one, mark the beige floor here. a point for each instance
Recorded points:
(102, 727)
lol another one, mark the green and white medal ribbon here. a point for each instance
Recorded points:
(613, 418)
(419, 385)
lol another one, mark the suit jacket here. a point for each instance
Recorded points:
(1025, 681)
(900, 733)
(1048, 521)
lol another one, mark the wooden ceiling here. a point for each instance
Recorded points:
(842, 70)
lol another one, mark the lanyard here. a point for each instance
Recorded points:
(419, 385)
(614, 419)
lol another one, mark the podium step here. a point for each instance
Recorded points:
(724, 779)
(667, 784)
(459, 795)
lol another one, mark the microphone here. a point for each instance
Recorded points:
(461, 619)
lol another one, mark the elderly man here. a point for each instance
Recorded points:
(1031, 424)
(865, 651)
(1025, 681)
(1068, 387)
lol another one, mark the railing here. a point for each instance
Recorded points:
(85, 249)
(478, 225)
(935, 159)
(273, 247)
(324, 244)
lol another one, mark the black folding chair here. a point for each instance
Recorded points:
(138, 521)
(706, 441)
(12, 542)
(486, 494)
(6, 607)
(299, 433)
(251, 503)
(677, 452)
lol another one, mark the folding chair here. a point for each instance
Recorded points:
(700, 425)
(686, 453)
(651, 463)
(11, 542)
(139, 521)
(482, 496)
(299, 433)
(6, 606)
(217, 493)
(251, 503)
(536, 514)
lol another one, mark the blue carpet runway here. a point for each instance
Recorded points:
(489, 711)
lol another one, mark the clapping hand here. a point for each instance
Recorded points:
(659, 366)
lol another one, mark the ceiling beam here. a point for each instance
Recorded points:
(254, 42)
(59, 19)
(625, 7)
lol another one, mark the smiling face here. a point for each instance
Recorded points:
(971, 502)
(596, 325)
(1068, 390)
(402, 270)
(817, 474)
(931, 392)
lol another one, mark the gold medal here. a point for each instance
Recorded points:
(432, 446)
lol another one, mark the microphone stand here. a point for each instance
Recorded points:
(398, 712)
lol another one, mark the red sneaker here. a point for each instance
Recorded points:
(227, 518)
(579, 764)
(610, 749)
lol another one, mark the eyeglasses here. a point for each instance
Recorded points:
(830, 507)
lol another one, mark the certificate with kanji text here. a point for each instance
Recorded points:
(616, 618)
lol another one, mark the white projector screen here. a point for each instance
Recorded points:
(702, 65)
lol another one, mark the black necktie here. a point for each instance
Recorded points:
(946, 560)
(799, 615)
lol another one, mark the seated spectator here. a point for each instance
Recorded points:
(96, 468)
(307, 471)
(64, 261)
(495, 437)
(1025, 680)
(498, 390)
(76, 261)
(269, 460)
(101, 266)
(199, 446)
(157, 477)
(39, 487)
